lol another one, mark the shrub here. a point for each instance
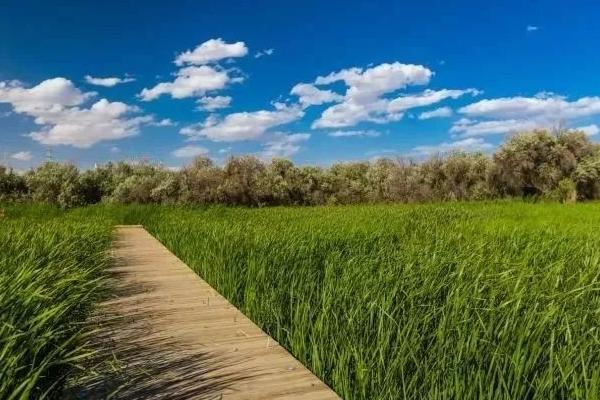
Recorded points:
(55, 183)
(587, 177)
(533, 165)
(12, 185)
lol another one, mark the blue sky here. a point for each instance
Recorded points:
(317, 83)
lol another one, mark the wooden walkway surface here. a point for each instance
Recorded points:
(166, 334)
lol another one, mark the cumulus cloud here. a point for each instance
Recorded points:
(211, 51)
(426, 98)
(533, 107)
(22, 156)
(190, 151)
(513, 114)
(163, 122)
(282, 145)
(589, 130)
(195, 78)
(467, 127)
(468, 145)
(377, 80)
(56, 106)
(309, 95)
(208, 103)
(362, 100)
(107, 82)
(190, 82)
(441, 112)
(354, 133)
(266, 52)
(367, 94)
(243, 125)
(51, 93)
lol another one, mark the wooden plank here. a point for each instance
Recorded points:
(166, 334)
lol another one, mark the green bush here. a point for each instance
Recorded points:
(530, 165)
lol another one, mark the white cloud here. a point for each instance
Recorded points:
(56, 92)
(195, 78)
(163, 122)
(426, 98)
(107, 82)
(309, 95)
(214, 103)
(211, 51)
(364, 98)
(22, 156)
(513, 114)
(362, 101)
(467, 127)
(55, 105)
(373, 82)
(589, 130)
(85, 127)
(554, 107)
(283, 145)
(191, 82)
(350, 113)
(266, 52)
(355, 133)
(243, 125)
(190, 151)
(468, 145)
(532, 28)
(441, 112)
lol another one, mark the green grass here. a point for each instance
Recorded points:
(51, 267)
(448, 301)
(440, 301)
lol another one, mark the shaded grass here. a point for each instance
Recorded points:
(51, 267)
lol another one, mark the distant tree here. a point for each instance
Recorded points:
(314, 184)
(379, 178)
(587, 177)
(348, 183)
(560, 165)
(200, 181)
(465, 177)
(55, 183)
(241, 179)
(146, 183)
(12, 185)
(534, 163)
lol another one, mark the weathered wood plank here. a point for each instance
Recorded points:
(167, 334)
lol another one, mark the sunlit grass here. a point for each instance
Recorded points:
(440, 301)
(461, 301)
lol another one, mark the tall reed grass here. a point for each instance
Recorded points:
(446, 301)
(439, 301)
(51, 266)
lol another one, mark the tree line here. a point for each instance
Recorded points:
(563, 166)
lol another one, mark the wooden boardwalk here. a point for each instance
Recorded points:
(166, 334)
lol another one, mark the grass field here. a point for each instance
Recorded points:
(50, 275)
(463, 301)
